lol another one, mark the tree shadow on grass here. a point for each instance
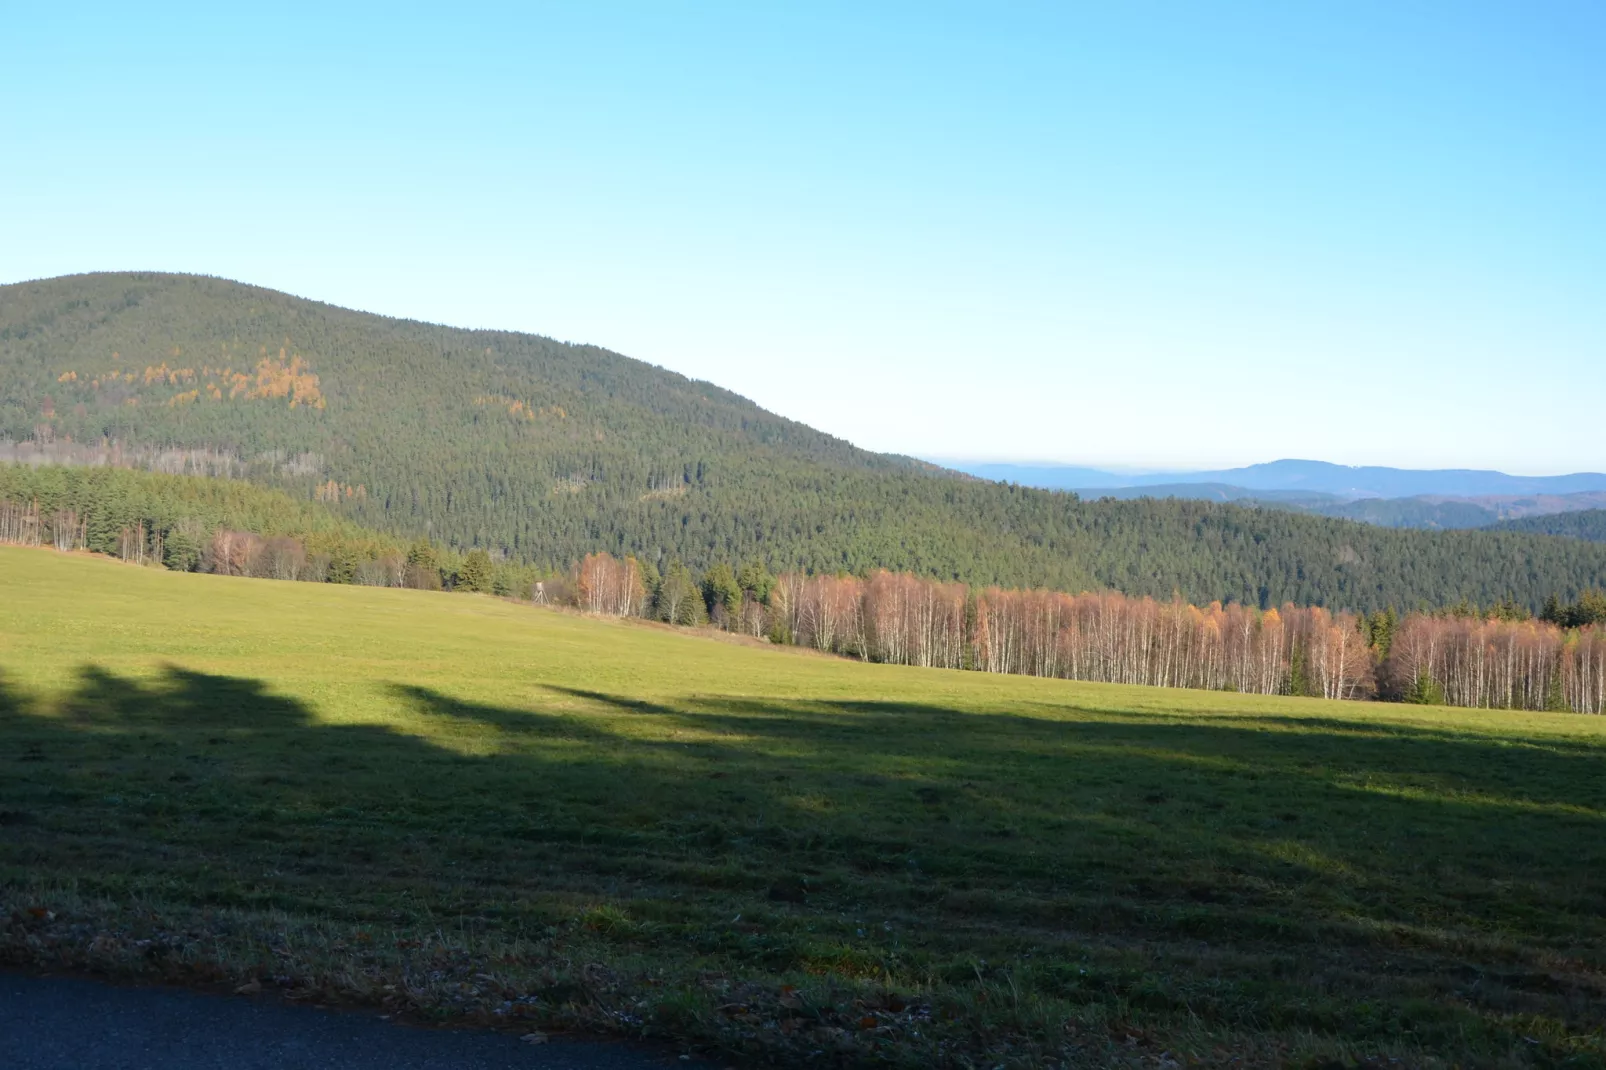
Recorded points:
(179, 702)
(1199, 847)
(1411, 832)
(1528, 774)
(1405, 836)
(505, 719)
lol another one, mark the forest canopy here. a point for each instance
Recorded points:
(542, 452)
(1588, 524)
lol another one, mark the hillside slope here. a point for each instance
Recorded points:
(550, 450)
(1588, 524)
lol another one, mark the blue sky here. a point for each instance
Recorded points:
(1173, 235)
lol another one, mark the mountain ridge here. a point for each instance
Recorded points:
(545, 451)
(1424, 511)
(1323, 477)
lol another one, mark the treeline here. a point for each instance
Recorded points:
(1504, 658)
(1503, 664)
(1587, 524)
(231, 528)
(185, 523)
(538, 453)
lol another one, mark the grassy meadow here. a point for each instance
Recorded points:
(460, 808)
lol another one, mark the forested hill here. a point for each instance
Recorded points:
(549, 451)
(1589, 524)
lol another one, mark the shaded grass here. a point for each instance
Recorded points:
(461, 807)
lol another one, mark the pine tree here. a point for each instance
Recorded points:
(651, 580)
(722, 595)
(679, 600)
(423, 566)
(1553, 612)
(1298, 672)
(1425, 692)
(475, 573)
(755, 581)
(342, 565)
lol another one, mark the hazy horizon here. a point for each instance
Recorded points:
(1183, 469)
(948, 460)
(952, 460)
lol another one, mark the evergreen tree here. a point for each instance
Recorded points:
(1425, 692)
(343, 561)
(680, 600)
(182, 543)
(756, 582)
(1507, 609)
(423, 566)
(1378, 629)
(1298, 672)
(722, 594)
(1553, 612)
(651, 581)
(475, 572)
(1589, 609)
(1555, 697)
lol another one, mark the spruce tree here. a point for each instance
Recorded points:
(475, 574)
(722, 594)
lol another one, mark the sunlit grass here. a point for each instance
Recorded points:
(508, 813)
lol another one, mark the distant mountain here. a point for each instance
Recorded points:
(1377, 482)
(1318, 477)
(1215, 492)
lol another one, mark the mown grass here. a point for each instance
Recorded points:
(463, 808)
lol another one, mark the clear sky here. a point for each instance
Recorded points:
(1185, 234)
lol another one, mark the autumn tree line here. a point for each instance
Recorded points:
(1503, 657)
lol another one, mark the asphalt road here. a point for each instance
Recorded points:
(49, 1023)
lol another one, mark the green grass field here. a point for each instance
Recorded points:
(459, 807)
